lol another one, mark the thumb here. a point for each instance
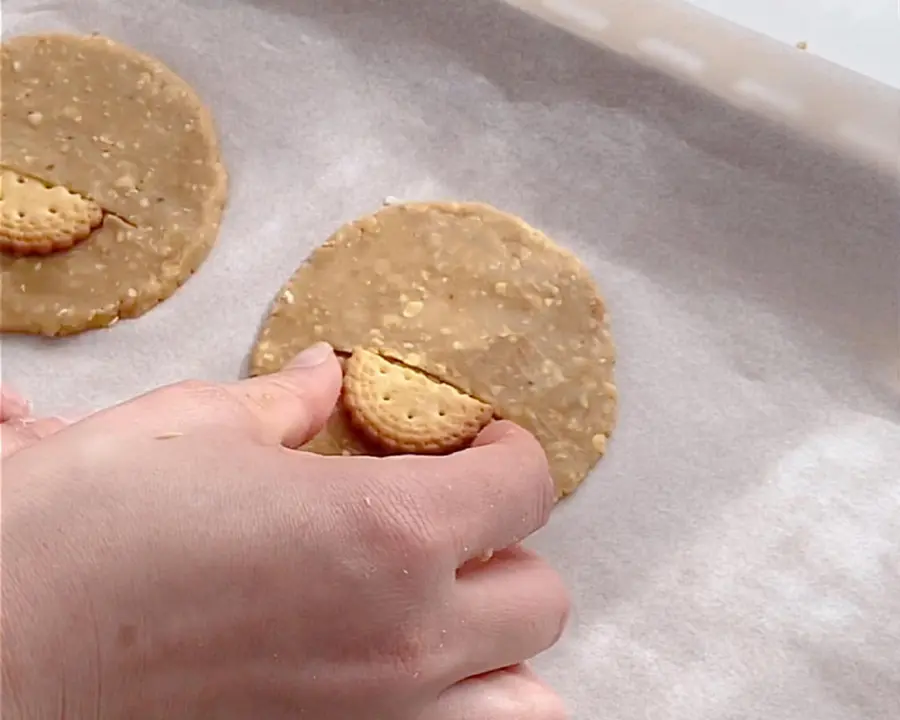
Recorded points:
(292, 406)
(509, 434)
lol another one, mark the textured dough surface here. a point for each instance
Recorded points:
(121, 129)
(474, 297)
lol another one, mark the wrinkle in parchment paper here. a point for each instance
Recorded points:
(736, 555)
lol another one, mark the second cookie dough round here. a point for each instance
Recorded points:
(478, 299)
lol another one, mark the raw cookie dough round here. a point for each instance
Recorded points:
(474, 297)
(120, 128)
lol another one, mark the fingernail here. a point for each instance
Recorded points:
(312, 357)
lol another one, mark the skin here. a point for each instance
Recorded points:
(18, 429)
(171, 557)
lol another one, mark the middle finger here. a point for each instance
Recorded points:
(485, 498)
(510, 609)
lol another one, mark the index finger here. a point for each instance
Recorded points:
(12, 405)
(492, 495)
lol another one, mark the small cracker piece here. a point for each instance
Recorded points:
(39, 220)
(406, 412)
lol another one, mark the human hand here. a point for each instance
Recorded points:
(170, 557)
(18, 429)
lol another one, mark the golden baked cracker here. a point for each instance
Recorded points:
(119, 127)
(403, 411)
(39, 220)
(472, 296)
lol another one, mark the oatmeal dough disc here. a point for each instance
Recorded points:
(120, 128)
(474, 297)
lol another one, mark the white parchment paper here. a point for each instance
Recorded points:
(737, 554)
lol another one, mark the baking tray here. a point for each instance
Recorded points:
(736, 554)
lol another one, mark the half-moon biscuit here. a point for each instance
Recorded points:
(403, 411)
(39, 220)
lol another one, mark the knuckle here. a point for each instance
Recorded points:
(544, 498)
(515, 471)
(408, 660)
(410, 528)
(558, 606)
(533, 471)
(410, 653)
(535, 462)
(405, 524)
(563, 612)
(555, 601)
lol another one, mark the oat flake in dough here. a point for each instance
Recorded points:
(476, 298)
(120, 128)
